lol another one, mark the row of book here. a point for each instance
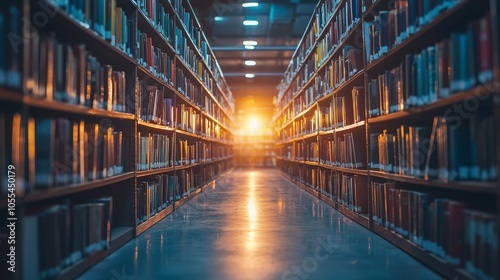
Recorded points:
(348, 190)
(155, 108)
(447, 228)
(189, 87)
(64, 234)
(390, 28)
(195, 36)
(162, 20)
(154, 151)
(333, 115)
(336, 73)
(191, 152)
(447, 151)
(12, 143)
(160, 63)
(344, 20)
(154, 195)
(63, 152)
(105, 18)
(11, 63)
(69, 73)
(193, 61)
(153, 105)
(346, 151)
(450, 66)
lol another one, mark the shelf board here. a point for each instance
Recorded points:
(10, 95)
(144, 173)
(418, 253)
(311, 163)
(349, 127)
(185, 166)
(374, 7)
(141, 228)
(468, 186)
(143, 124)
(119, 236)
(73, 109)
(183, 200)
(362, 172)
(144, 71)
(187, 133)
(223, 126)
(356, 80)
(56, 192)
(439, 104)
(357, 217)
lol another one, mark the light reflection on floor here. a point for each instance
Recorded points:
(253, 224)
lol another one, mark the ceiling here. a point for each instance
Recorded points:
(281, 24)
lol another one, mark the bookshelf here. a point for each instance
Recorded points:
(115, 112)
(254, 150)
(387, 112)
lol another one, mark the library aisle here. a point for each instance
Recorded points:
(254, 224)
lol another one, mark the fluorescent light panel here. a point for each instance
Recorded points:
(218, 18)
(250, 75)
(250, 63)
(250, 43)
(249, 47)
(250, 5)
(250, 22)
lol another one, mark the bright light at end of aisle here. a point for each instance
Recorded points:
(250, 76)
(250, 63)
(253, 124)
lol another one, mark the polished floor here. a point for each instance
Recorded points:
(254, 224)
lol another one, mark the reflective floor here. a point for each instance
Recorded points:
(254, 224)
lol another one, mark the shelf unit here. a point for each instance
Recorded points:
(195, 152)
(311, 141)
(254, 150)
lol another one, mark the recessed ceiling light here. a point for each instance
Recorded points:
(250, 4)
(249, 47)
(250, 22)
(250, 63)
(218, 18)
(250, 43)
(250, 75)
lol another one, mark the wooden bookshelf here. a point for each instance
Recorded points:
(100, 48)
(296, 142)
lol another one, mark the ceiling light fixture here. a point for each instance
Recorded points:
(250, 63)
(249, 47)
(250, 22)
(250, 43)
(250, 5)
(218, 18)
(250, 76)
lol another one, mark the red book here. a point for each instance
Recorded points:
(455, 236)
(485, 47)
(404, 217)
(149, 51)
